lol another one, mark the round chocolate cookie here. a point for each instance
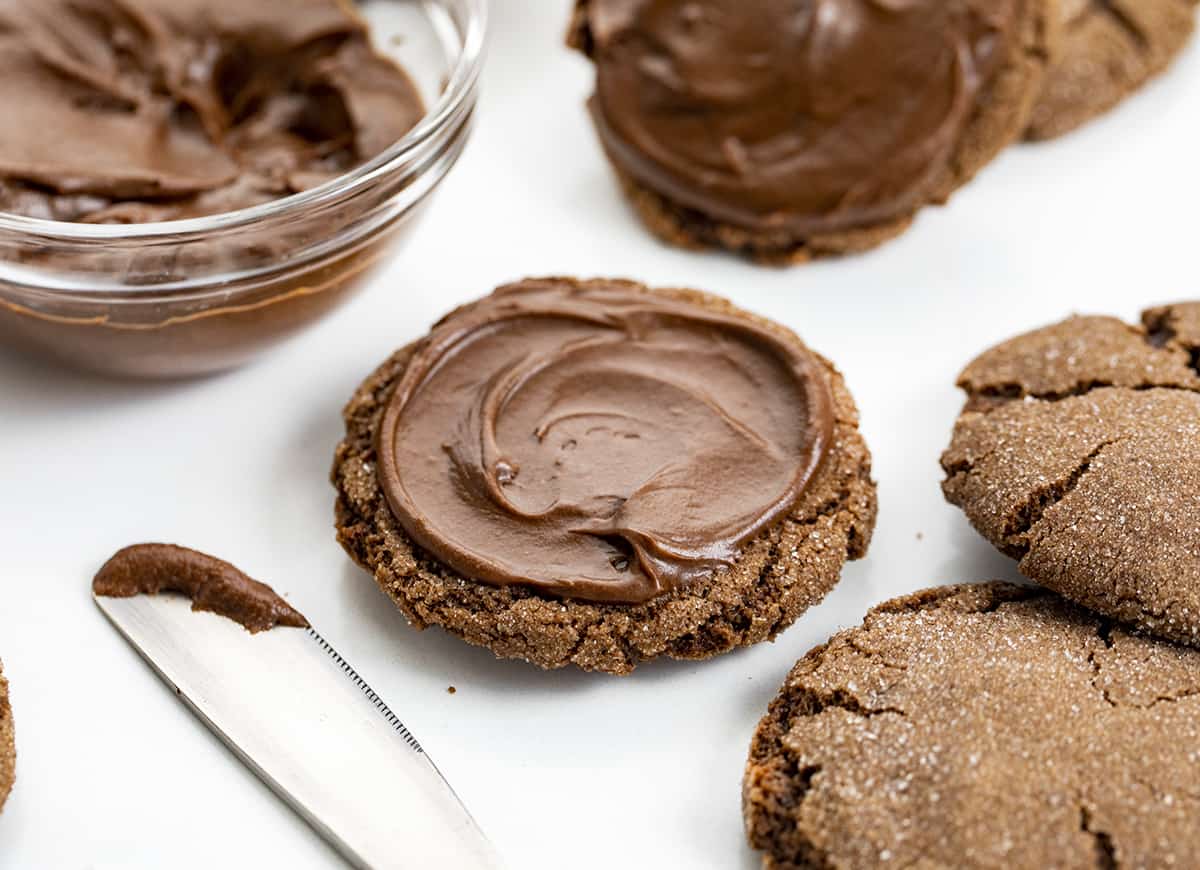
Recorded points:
(787, 131)
(988, 726)
(1078, 453)
(8, 751)
(1109, 49)
(595, 473)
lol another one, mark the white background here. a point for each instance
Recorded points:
(563, 769)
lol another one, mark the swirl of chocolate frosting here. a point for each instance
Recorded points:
(598, 440)
(814, 116)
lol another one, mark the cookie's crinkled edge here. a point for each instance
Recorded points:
(8, 751)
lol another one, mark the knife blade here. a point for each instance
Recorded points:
(302, 719)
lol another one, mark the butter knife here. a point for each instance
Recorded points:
(306, 723)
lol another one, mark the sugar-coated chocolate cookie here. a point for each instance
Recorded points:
(1109, 49)
(788, 131)
(1078, 452)
(988, 726)
(8, 751)
(595, 473)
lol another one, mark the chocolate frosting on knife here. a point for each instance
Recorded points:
(814, 116)
(121, 111)
(212, 584)
(600, 441)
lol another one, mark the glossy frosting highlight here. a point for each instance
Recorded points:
(122, 111)
(600, 441)
(814, 116)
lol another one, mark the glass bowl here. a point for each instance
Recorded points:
(190, 297)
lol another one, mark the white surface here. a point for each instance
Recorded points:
(562, 769)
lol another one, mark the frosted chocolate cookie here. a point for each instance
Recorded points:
(788, 131)
(988, 726)
(596, 473)
(8, 751)
(1078, 453)
(1108, 50)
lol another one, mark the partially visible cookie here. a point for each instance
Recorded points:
(593, 473)
(788, 131)
(1109, 49)
(990, 726)
(8, 751)
(1078, 452)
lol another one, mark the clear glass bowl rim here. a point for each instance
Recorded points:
(460, 87)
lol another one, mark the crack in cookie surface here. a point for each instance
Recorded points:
(1126, 22)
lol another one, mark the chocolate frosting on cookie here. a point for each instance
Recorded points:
(120, 111)
(806, 115)
(213, 585)
(599, 441)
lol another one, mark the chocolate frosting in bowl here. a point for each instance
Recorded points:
(812, 116)
(136, 111)
(129, 111)
(599, 441)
